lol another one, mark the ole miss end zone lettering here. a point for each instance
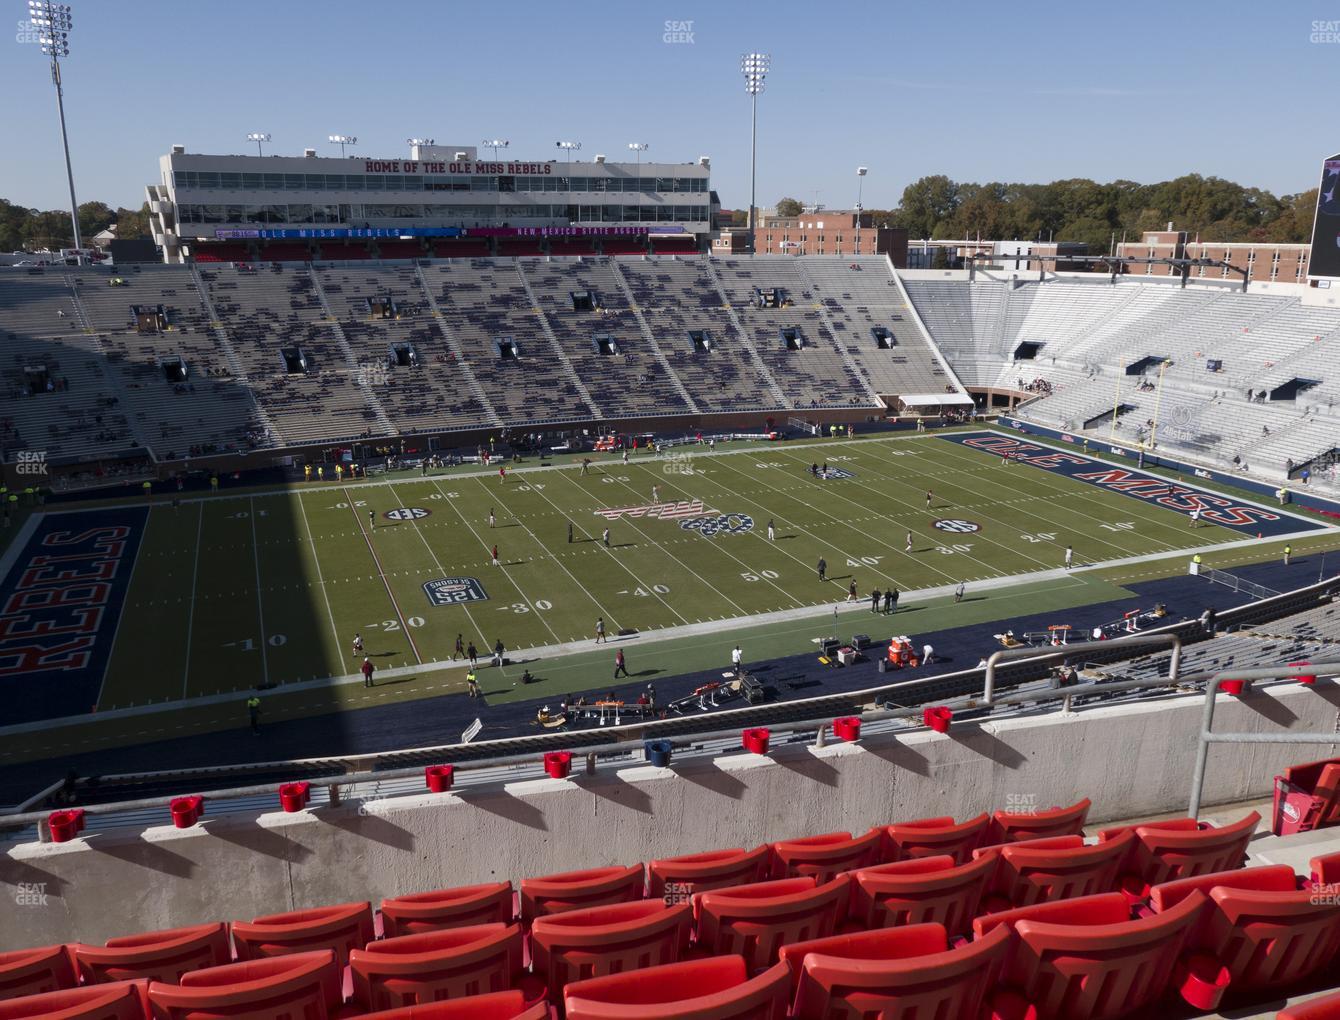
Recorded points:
(59, 606)
(1214, 508)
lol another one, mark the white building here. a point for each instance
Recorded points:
(439, 191)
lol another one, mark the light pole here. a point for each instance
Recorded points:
(860, 183)
(259, 137)
(754, 67)
(420, 141)
(639, 148)
(53, 23)
(342, 141)
(495, 144)
(569, 148)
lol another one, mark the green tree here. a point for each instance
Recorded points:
(788, 208)
(927, 206)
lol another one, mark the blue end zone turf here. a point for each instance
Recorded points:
(59, 607)
(1246, 518)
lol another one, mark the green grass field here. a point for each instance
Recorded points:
(231, 593)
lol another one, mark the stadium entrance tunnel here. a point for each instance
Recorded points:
(1147, 363)
(1110, 414)
(1291, 389)
(1028, 350)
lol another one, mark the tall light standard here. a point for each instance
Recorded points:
(420, 141)
(495, 144)
(639, 148)
(754, 67)
(569, 148)
(53, 23)
(860, 183)
(342, 141)
(259, 137)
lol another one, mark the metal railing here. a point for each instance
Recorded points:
(1068, 651)
(1207, 735)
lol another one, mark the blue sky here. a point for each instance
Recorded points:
(979, 91)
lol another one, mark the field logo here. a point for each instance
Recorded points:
(722, 524)
(452, 591)
(406, 513)
(665, 511)
(957, 526)
(837, 472)
(31, 462)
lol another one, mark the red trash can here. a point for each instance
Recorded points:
(755, 740)
(65, 825)
(439, 777)
(937, 718)
(294, 796)
(558, 764)
(847, 728)
(186, 811)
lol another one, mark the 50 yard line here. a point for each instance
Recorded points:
(190, 612)
(260, 599)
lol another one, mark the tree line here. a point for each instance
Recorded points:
(23, 229)
(936, 207)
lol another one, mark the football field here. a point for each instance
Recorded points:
(231, 593)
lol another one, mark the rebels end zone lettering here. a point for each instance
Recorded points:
(1217, 509)
(59, 605)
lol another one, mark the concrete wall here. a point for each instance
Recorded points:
(1132, 761)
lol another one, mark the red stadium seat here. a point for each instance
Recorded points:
(1167, 824)
(1326, 871)
(1325, 1007)
(450, 964)
(342, 928)
(1045, 869)
(1085, 959)
(496, 1006)
(757, 920)
(447, 908)
(1161, 855)
(574, 890)
(822, 857)
(920, 890)
(715, 869)
(122, 1000)
(159, 955)
(1257, 932)
(34, 971)
(717, 988)
(930, 837)
(1011, 827)
(303, 986)
(905, 973)
(580, 944)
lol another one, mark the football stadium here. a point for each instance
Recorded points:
(550, 593)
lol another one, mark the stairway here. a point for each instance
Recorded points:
(230, 355)
(847, 359)
(651, 339)
(351, 359)
(558, 348)
(456, 351)
(764, 372)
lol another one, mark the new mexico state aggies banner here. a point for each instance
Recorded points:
(59, 606)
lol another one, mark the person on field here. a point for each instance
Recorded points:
(459, 650)
(472, 654)
(772, 532)
(367, 669)
(620, 665)
(495, 556)
(254, 714)
(472, 683)
(823, 569)
(1069, 556)
(499, 653)
(600, 630)
(492, 519)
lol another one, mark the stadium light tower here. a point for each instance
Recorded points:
(342, 141)
(53, 23)
(754, 67)
(639, 148)
(495, 144)
(419, 141)
(259, 137)
(860, 183)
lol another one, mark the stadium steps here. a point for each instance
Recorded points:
(351, 359)
(856, 369)
(760, 366)
(563, 358)
(645, 329)
(229, 352)
(461, 360)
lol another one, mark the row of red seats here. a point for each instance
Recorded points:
(921, 884)
(1228, 936)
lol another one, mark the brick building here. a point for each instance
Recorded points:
(824, 232)
(1264, 263)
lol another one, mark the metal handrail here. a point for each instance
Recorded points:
(1066, 651)
(1207, 735)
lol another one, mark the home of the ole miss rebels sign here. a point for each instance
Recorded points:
(418, 166)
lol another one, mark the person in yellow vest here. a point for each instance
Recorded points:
(213, 483)
(339, 472)
(320, 473)
(147, 487)
(307, 472)
(1288, 551)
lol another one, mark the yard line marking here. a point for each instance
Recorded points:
(316, 560)
(722, 547)
(130, 582)
(594, 601)
(349, 500)
(260, 601)
(622, 566)
(190, 613)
